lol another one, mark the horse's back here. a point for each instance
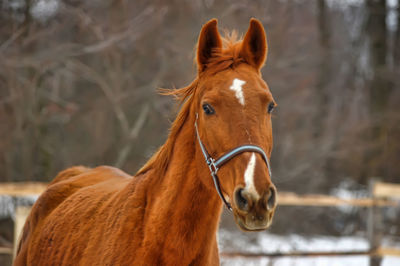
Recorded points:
(73, 186)
(68, 173)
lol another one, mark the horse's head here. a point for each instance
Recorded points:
(233, 105)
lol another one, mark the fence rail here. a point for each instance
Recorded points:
(386, 190)
(22, 188)
(6, 250)
(292, 199)
(381, 252)
(284, 198)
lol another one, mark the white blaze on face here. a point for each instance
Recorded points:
(237, 88)
(249, 175)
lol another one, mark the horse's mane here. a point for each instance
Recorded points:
(159, 161)
(227, 57)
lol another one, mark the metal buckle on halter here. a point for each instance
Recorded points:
(211, 165)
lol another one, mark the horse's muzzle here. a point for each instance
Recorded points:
(252, 212)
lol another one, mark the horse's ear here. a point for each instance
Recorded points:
(254, 47)
(209, 42)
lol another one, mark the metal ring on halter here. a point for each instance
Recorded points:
(214, 165)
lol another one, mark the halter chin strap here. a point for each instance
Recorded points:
(215, 164)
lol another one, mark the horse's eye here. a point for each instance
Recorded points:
(271, 107)
(208, 110)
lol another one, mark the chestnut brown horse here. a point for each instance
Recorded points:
(168, 213)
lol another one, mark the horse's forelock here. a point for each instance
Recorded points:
(228, 56)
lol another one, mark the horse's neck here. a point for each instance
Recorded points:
(183, 213)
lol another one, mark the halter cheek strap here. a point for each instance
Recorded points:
(214, 165)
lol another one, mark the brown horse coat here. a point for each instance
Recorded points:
(168, 213)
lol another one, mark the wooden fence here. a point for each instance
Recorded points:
(382, 195)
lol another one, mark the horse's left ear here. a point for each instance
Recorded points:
(254, 47)
(209, 42)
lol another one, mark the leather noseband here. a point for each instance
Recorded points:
(215, 164)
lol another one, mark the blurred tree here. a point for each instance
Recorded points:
(78, 85)
(379, 87)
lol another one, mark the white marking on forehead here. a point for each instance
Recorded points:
(237, 88)
(249, 175)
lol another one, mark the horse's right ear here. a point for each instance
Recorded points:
(254, 47)
(209, 42)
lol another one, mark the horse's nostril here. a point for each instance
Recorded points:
(241, 199)
(271, 198)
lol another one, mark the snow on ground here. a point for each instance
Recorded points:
(264, 242)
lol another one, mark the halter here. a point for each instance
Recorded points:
(215, 164)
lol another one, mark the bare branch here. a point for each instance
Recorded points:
(91, 75)
(13, 37)
(135, 130)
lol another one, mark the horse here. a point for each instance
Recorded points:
(217, 153)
